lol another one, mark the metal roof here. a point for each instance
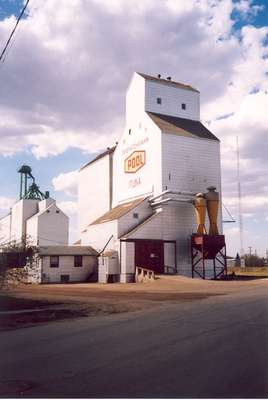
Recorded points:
(118, 211)
(181, 126)
(110, 253)
(67, 251)
(101, 155)
(168, 82)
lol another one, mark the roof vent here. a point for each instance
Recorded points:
(169, 78)
(159, 76)
(108, 148)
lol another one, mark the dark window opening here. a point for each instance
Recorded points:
(65, 278)
(183, 106)
(159, 100)
(135, 215)
(57, 211)
(54, 261)
(78, 261)
(129, 131)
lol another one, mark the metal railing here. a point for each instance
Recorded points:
(144, 274)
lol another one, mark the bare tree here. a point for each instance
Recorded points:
(16, 260)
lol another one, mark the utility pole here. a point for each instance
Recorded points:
(240, 214)
(250, 247)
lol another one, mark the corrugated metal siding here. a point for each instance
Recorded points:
(191, 165)
(172, 98)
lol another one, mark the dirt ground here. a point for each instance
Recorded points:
(249, 271)
(28, 305)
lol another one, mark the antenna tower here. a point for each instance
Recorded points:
(240, 213)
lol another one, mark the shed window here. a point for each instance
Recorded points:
(183, 106)
(54, 261)
(78, 261)
(159, 100)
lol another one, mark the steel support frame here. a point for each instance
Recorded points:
(197, 256)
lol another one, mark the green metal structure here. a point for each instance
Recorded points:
(32, 191)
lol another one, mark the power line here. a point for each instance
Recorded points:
(13, 31)
(229, 214)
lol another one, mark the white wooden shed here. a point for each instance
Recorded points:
(63, 264)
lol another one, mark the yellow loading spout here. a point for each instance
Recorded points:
(212, 198)
(200, 205)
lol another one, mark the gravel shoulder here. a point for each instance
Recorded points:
(30, 305)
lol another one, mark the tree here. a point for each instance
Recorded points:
(13, 258)
(252, 260)
(237, 260)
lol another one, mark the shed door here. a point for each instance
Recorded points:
(150, 254)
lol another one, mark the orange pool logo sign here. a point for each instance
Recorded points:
(135, 161)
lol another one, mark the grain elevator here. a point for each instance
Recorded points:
(34, 218)
(137, 200)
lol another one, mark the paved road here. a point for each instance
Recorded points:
(216, 347)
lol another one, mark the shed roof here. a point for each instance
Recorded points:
(110, 253)
(168, 82)
(181, 126)
(67, 251)
(118, 211)
(99, 156)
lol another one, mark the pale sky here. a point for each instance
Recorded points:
(64, 79)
